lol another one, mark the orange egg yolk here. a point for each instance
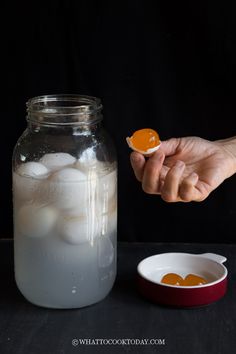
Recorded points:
(192, 279)
(189, 280)
(145, 139)
(172, 279)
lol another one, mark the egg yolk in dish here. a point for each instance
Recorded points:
(172, 279)
(189, 280)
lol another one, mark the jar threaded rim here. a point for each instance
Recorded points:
(64, 109)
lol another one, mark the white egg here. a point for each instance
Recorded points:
(69, 175)
(57, 160)
(27, 180)
(66, 189)
(24, 187)
(106, 252)
(76, 230)
(32, 169)
(36, 221)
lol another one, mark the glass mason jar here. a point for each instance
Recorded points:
(65, 203)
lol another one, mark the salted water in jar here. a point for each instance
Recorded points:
(65, 203)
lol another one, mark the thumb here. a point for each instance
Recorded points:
(170, 146)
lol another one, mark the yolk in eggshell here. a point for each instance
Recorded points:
(144, 139)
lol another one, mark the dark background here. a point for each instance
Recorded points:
(166, 65)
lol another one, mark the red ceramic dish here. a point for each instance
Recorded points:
(207, 265)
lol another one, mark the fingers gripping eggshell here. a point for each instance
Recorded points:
(36, 221)
(55, 161)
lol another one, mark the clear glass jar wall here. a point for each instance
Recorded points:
(65, 203)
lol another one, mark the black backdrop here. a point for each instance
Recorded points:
(167, 65)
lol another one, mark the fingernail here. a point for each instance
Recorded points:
(194, 175)
(135, 157)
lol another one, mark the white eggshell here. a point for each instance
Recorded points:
(32, 169)
(27, 180)
(147, 152)
(106, 252)
(24, 187)
(55, 161)
(67, 189)
(69, 175)
(36, 221)
(76, 230)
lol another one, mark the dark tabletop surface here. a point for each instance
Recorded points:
(123, 314)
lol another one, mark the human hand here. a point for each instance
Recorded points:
(186, 169)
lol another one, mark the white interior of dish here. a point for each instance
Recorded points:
(155, 267)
